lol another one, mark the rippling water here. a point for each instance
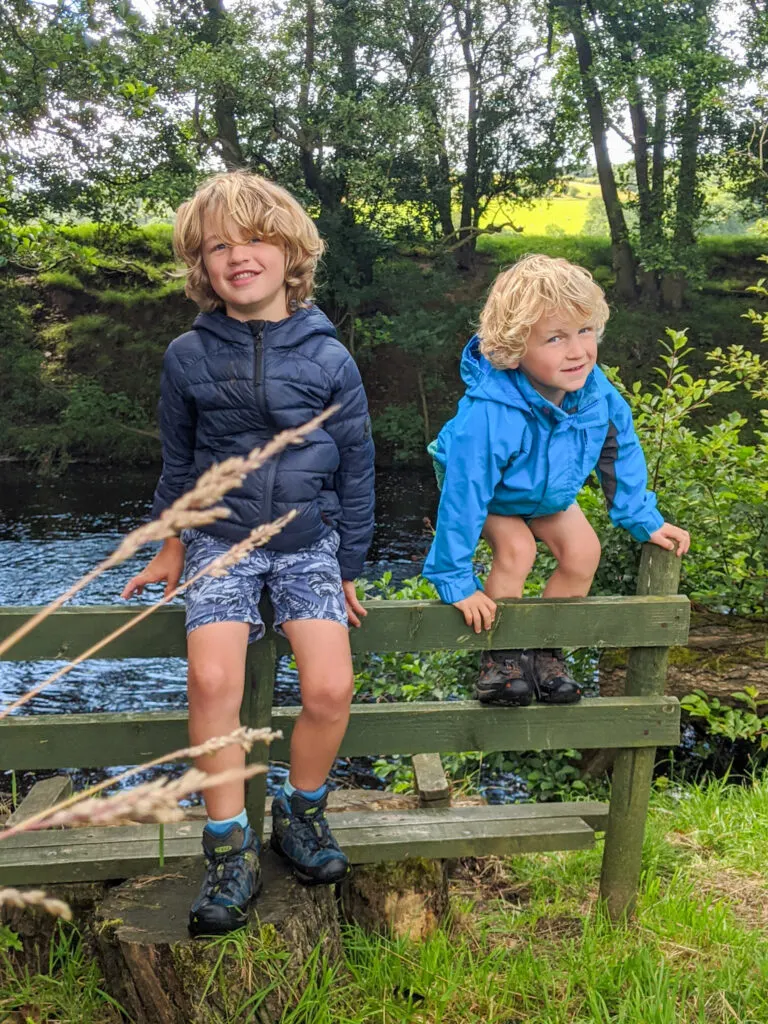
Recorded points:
(52, 531)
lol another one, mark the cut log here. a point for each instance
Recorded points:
(407, 899)
(162, 976)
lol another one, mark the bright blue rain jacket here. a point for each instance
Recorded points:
(230, 386)
(511, 452)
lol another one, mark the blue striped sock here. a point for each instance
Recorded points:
(221, 825)
(308, 794)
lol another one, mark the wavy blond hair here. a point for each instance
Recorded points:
(534, 287)
(244, 205)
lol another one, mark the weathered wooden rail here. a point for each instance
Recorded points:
(634, 724)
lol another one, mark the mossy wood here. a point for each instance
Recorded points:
(101, 740)
(659, 573)
(645, 621)
(368, 837)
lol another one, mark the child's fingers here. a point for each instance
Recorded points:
(133, 586)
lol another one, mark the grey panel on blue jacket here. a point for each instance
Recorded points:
(229, 386)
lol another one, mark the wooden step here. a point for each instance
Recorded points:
(90, 854)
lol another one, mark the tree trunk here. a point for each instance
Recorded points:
(224, 99)
(465, 252)
(688, 202)
(161, 976)
(623, 257)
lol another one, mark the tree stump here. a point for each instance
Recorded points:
(161, 976)
(404, 899)
(36, 929)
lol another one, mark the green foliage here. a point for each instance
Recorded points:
(69, 988)
(401, 429)
(743, 722)
(709, 478)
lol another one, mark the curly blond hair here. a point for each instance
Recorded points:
(245, 205)
(534, 287)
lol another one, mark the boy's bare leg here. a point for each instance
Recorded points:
(514, 552)
(575, 545)
(215, 681)
(324, 660)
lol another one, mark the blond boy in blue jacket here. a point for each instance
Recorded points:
(538, 416)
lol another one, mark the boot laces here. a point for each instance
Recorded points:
(550, 667)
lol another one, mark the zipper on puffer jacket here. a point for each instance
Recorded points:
(259, 389)
(257, 330)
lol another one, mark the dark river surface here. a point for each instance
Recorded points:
(52, 531)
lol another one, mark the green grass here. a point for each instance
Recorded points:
(526, 943)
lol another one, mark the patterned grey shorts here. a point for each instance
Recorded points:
(304, 584)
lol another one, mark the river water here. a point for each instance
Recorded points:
(53, 530)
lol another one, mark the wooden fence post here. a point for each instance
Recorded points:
(256, 712)
(633, 769)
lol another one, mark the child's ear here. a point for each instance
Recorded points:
(514, 364)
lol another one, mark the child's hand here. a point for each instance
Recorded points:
(478, 610)
(354, 608)
(168, 565)
(668, 535)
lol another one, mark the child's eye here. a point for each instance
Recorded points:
(586, 330)
(254, 241)
(218, 246)
(555, 337)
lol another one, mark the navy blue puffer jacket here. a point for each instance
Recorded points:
(229, 386)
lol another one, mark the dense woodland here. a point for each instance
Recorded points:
(420, 134)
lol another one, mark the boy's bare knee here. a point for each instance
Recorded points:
(212, 683)
(517, 554)
(328, 700)
(583, 558)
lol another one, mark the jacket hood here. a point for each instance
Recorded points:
(512, 387)
(287, 333)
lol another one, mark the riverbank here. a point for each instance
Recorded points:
(526, 944)
(83, 343)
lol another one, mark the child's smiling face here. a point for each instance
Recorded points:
(248, 275)
(559, 357)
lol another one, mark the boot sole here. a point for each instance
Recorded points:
(499, 702)
(298, 870)
(199, 932)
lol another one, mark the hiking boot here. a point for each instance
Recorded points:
(502, 679)
(551, 680)
(232, 881)
(301, 834)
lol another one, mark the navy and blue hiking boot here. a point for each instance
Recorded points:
(550, 678)
(301, 834)
(232, 881)
(502, 679)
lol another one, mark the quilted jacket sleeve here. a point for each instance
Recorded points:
(350, 428)
(176, 414)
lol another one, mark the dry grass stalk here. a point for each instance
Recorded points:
(34, 898)
(243, 737)
(150, 802)
(218, 567)
(193, 509)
